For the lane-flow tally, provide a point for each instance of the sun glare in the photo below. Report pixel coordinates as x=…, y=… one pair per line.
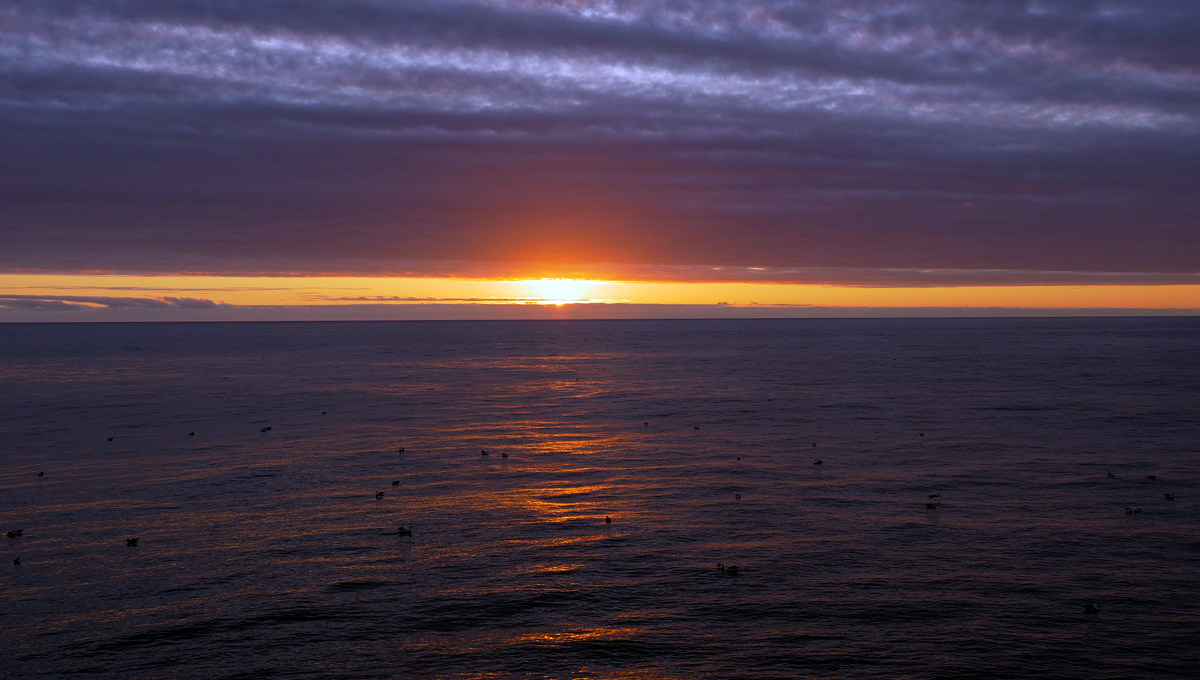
x=561, y=291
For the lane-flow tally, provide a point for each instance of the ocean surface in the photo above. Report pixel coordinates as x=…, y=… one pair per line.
x=265, y=553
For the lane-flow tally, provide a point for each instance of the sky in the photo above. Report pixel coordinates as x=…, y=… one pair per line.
x=190, y=159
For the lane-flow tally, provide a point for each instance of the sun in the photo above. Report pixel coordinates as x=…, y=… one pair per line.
x=561, y=291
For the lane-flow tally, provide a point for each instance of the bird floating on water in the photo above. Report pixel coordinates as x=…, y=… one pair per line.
x=378, y=495
x=731, y=570
x=737, y=496
x=1151, y=476
x=818, y=462
x=1091, y=608
x=503, y=455
x=935, y=495
x=1169, y=496
x=396, y=482
x=110, y=439
x=483, y=453
x=17, y=561
x=41, y=474
x=131, y=542
x=16, y=533
x=607, y=519
x=1111, y=475
x=404, y=532
x=1130, y=511
x=401, y=449
x=697, y=427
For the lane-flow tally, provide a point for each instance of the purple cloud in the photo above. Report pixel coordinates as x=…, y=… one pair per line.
x=864, y=139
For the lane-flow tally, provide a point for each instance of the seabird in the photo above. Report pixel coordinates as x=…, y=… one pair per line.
x=920, y=434
x=818, y=462
x=1151, y=476
x=131, y=542
x=697, y=427
x=110, y=439
x=12, y=534
x=931, y=506
x=1169, y=496
x=404, y=532
x=378, y=495
x=731, y=570
x=607, y=519
x=396, y=482
x=17, y=561
x=401, y=449
x=41, y=474
x=322, y=412
x=739, y=457
x=935, y=495
x=1091, y=608
x=503, y=455
x=737, y=496
x=264, y=429
x=483, y=453
x=646, y=424
x=1111, y=475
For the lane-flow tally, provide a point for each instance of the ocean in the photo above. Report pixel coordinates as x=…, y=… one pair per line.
x=247, y=459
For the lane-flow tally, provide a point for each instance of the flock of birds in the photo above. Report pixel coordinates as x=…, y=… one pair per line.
x=731, y=570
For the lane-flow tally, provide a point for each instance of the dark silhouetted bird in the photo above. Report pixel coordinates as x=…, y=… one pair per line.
x=131, y=542
x=607, y=519
x=404, y=532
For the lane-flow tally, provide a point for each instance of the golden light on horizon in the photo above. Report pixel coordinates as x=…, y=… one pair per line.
x=312, y=292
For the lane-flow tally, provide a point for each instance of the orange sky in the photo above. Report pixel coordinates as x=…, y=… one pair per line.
x=350, y=290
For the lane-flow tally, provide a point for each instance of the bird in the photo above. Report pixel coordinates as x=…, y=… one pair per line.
x=1151, y=476
x=404, y=532
x=483, y=453
x=814, y=443
x=322, y=412
x=503, y=455
x=396, y=482
x=17, y=561
x=131, y=542
x=1111, y=475
x=41, y=474
x=607, y=519
x=739, y=457
x=731, y=570
x=1091, y=608
x=378, y=495
x=264, y=429
x=697, y=427
x=920, y=434
x=110, y=439
x=13, y=534
x=646, y=424
x=931, y=506
x=935, y=495
x=818, y=462
x=1169, y=496
x=737, y=496
x=401, y=449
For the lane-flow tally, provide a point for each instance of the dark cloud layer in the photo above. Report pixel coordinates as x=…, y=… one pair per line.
x=817, y=140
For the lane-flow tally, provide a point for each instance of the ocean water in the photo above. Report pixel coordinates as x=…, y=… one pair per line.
x=267, y=554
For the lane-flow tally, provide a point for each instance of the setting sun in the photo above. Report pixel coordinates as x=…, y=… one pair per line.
x=562, y=291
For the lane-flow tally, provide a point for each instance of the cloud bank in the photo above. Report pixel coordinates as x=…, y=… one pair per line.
x=813, y=140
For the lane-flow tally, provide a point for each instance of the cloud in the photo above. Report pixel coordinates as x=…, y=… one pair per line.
x=59, y=303
x=347, y=136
